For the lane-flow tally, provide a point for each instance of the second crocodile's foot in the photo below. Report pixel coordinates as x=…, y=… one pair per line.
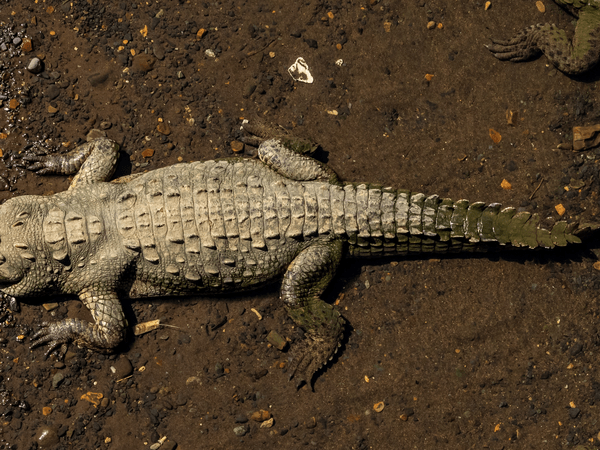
x=521, y=47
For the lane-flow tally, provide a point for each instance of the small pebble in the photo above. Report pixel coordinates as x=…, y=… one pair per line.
x=311, y=43
x=27, y=45
x=169, y=445
x=57, y=379
x=158, y=51
x=260, y=416
x=574, y=412
x=17, y=40
x=35, y=66
x=430, y=25
x=46, y=437
x=123, y=368
x=97, y=79
x=148, y=153
x=143, y=63
x=540, y=6
x=52, y=109
x=240, y=431
x=163, y=128
x=191, y=380
x=267, y=423
x=237, y=146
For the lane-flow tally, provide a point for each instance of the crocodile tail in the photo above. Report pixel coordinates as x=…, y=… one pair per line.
x=383, y=221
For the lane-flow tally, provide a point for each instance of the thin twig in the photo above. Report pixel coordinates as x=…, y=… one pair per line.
x=536, y=189
x=261, y=49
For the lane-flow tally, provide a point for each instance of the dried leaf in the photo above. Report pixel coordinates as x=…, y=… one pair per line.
x=540, y=6
x=496, y=137
x=93, y=397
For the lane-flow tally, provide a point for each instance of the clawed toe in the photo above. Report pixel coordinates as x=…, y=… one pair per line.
x=46, y=336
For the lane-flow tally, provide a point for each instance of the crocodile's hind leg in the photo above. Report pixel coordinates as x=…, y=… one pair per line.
x=305, y=280
x=104, y=335
x=258, y=132
x=93, y=161
x=288, y=155
x=569, y=57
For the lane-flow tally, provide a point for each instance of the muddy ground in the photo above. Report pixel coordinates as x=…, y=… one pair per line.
x=498, y=352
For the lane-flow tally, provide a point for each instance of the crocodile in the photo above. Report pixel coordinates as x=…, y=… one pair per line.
x=571, y=57
x=226, y=226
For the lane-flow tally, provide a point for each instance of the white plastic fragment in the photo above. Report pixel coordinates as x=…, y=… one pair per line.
x=299, y=71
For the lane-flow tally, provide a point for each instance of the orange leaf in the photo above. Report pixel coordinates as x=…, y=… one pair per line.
x=496, y=137
x=93, y=397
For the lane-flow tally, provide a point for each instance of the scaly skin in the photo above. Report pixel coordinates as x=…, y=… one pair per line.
x=569, y=57
x=228, y=226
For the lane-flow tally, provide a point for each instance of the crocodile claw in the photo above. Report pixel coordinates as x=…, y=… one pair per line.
x=39, y=164
x=51, y=335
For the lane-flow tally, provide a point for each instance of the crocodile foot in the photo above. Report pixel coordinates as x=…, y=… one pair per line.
x=54, y=336
x=257, y=131
x=310, y=355
x=521, y=47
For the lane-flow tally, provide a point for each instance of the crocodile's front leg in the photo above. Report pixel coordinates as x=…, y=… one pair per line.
x=569, y=57
x=104, y=335
x=305, y=280
x=93, y=161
